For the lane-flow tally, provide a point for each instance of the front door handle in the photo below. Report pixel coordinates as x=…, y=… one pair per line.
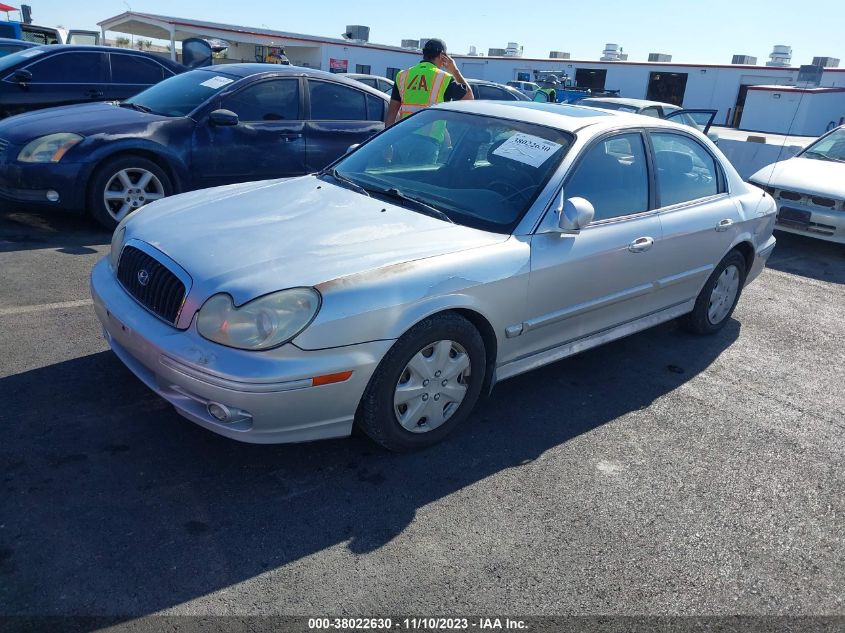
x=287, y=138
x=94, y=94
x=641, y=244
x=724, y=225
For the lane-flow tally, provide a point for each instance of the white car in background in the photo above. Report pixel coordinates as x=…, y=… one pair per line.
x=528, y=88
x=810, y=189
x=699, y=119
x=373, y=81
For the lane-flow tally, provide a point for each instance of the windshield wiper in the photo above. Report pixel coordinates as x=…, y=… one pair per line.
x=393, y=192
x=354, y=185
x=135, y=106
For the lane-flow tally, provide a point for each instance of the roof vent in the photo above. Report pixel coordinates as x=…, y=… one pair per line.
x=612, y=53
x=745, y=60
x=781, y=55
x=357, y=32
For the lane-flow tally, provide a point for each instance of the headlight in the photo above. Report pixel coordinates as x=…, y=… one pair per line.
x=263, y=323
x=48, y=149
x=116, y=245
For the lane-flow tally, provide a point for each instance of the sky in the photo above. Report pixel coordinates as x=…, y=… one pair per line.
x=702, y=32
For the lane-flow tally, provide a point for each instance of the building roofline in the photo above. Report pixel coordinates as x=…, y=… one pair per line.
x=818, y=90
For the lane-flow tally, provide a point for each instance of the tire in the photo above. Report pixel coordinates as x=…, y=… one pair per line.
x=121, y=178
x=716, y=301
x=433, y=408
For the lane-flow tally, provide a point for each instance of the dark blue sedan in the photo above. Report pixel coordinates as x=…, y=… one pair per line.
x=206, y=127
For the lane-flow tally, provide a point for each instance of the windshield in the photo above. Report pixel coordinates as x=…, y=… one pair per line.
x=182, y=94
x=479, y=171
x=830, y=147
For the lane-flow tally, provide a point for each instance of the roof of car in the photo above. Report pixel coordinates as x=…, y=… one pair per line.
x=562, y=116
x=21, y=43
x=634, y=103
x=64, y=48
x=249, y=69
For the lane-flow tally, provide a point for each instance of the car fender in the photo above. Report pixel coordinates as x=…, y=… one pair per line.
x=171, y=161
x=383, y=304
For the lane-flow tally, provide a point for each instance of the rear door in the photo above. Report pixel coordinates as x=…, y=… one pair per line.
x=267, y=142
x=701, y=120
x=339, y=116
x=59, y=79
x=130, y=74
x=698, y=218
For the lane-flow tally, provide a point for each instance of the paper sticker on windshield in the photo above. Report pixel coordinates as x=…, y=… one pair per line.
x=30, y=52
x=217, y=82
x=528, y=149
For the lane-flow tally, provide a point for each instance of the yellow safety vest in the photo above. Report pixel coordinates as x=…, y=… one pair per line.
x=422, y=86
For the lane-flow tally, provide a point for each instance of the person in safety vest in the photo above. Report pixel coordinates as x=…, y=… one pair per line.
x=426, y=84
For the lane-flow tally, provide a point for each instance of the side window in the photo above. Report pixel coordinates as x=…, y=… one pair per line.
x=651, y=111
x=274, y=100
x=129, y=69
x=76, y=68
x=613, y=176
x=685, y=170
x=491, y=92
x=368, y=81
x=333, y=102
x=375, y=108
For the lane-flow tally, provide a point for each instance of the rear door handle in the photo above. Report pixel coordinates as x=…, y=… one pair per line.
x=641, y=244
x=724, y=225
x=287, y=138
x=94, y=94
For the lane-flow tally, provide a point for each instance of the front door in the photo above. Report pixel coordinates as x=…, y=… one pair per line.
x=268, y=141
x=340, y=116
x=700, y=120
x=604, y=276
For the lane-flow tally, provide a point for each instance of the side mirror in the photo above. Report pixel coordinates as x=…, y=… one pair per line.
x=574, y=215
x=352, y=148
x=22, y=76
x=223, y=118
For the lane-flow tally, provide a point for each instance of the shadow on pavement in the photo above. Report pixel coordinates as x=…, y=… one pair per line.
x=70, y=233
x=808, y=257
x=112, y=504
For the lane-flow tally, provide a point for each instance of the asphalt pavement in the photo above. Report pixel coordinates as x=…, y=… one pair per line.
x=661, y=474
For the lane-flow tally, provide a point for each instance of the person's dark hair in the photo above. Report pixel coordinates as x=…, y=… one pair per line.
x=433, y=48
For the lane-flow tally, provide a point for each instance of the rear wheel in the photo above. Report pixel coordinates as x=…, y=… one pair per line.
x=123, y=185
x=718, y=298
x=426, y=385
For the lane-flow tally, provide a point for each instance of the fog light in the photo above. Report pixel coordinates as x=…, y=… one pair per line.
x=219, y=412
x=53, y=196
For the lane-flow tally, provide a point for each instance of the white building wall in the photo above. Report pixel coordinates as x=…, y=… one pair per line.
x=378, y=60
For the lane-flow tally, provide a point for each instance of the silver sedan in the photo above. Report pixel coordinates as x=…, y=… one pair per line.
x=469, y=243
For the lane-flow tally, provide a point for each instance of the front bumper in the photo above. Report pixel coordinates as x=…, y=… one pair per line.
x=27, y=184
x=270, y=393
x=802, y=219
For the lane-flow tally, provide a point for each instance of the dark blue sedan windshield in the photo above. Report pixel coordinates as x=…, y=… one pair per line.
x=182, y=94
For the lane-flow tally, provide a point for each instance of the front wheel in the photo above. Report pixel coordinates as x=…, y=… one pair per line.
x=123, y=185
x=718, y=298
x=426, y=385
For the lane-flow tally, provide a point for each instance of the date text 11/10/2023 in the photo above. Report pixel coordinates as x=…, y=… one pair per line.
x=416, y=624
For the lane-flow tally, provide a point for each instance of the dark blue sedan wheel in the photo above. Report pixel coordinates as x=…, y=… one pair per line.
x=123, y=185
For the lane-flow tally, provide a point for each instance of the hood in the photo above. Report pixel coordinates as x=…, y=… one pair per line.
x=85, y=119
x=255, y=238
x=805, y=175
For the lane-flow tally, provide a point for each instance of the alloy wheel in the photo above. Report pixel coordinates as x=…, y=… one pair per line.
x=129, y=190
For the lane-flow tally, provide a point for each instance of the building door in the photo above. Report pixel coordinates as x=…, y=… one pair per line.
x=740, y=104
x=667, y=87
x=591, y=78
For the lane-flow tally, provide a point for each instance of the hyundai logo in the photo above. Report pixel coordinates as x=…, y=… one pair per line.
x=143, y=277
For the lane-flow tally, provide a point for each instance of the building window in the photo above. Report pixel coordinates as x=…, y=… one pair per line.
x=391, y=73
x=362, y=69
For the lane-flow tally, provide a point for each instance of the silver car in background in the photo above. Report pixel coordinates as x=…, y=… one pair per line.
x=810, y=189
x=470, y=243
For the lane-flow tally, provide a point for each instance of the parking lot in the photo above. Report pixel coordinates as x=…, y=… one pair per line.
x=661, y=474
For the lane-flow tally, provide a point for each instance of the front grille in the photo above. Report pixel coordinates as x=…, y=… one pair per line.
x=823, y=202
x=3, y=145
x=163, y=292
x=790, y=195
